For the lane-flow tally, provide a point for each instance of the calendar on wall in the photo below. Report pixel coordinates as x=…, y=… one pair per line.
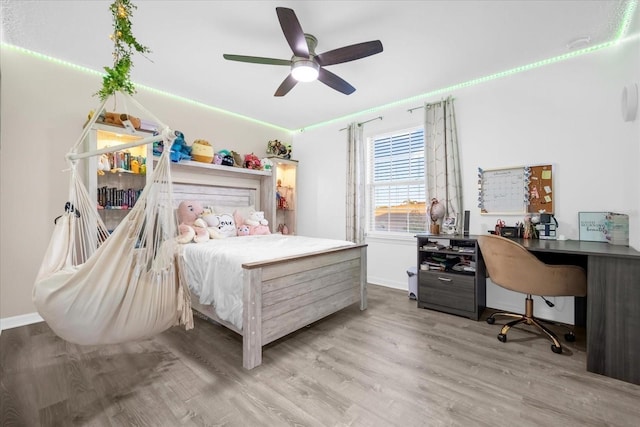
x=515, y=190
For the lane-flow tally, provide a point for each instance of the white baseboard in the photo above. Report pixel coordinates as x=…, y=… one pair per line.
x=387, y=283
x=22, y=320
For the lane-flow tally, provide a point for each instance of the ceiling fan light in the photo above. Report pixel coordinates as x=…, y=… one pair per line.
x=305, y=70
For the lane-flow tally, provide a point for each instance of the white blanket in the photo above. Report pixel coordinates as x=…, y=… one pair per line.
x=214, y=268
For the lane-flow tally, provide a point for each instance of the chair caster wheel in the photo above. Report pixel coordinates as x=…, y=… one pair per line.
x=491, y=320
x=569, y=337
x=556, y=350
x=502, y=337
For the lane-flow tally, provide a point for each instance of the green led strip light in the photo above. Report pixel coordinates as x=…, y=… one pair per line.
x=627, y=17
x=619, y=38
x=147, y=88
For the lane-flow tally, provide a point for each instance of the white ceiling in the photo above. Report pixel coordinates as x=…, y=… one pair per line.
x=428, y=45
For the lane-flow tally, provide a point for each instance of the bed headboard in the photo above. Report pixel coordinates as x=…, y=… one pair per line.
x=214, y=195
x=218, y=186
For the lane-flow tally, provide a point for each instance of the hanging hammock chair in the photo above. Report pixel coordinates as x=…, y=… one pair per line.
x=99, y=288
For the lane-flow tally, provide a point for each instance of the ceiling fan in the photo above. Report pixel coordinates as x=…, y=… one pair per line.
x=305, y=64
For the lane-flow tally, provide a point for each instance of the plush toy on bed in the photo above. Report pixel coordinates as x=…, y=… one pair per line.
x=192, y=228
x=220, y=226
x=258, y=225
x=243, y=230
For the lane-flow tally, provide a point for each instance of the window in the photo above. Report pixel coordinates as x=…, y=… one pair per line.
x=396, y=183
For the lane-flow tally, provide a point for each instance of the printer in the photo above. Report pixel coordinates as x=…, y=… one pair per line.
x=547, y=227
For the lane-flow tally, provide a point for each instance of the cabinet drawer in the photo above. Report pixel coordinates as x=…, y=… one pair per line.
x=448, y=290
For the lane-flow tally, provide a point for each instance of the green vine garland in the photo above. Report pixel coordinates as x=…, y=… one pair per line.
x=118, y=77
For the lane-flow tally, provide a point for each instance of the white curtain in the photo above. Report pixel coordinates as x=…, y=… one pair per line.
x=355, y=184
x=444, y=181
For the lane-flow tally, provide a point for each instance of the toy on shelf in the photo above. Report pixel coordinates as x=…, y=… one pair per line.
x=224, y=157
x=103, y=164
x=251, y=161
x=237, y=159
x=267, y=164
x=202, y=151
x=179, y=149
x=278, y=149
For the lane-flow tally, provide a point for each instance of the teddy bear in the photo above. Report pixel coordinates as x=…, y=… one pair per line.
x=191, y=227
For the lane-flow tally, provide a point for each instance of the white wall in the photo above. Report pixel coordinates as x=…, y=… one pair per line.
x=44, y=105
x=567, y=114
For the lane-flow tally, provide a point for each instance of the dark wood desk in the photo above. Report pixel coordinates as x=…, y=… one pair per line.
x=613, y=302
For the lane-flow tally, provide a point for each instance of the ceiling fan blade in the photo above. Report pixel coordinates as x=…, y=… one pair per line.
x=286, y=86
x=257, y=59
x=335, y=82
x=349, y=53
x=293, y=31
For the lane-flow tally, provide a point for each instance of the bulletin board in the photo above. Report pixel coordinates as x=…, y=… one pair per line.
x=516, y=190
x=541, y=189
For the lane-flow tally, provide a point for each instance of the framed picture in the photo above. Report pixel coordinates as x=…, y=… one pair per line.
x=592, y=226
x=449, y=225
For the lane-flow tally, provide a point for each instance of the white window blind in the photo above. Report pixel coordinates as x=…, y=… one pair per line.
x=396, y=183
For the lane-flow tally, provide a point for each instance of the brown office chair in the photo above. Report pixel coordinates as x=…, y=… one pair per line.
x=513, y=267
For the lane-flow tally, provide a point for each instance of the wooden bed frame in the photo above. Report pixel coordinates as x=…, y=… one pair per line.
x=281, y=295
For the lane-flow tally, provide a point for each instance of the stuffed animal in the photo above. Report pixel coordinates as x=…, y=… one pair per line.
x=243, y=230
x=220, y=226
x=267, y=163
x=256, y=218
x=226, y=159
x=103, y=164
x=217, y=159
x=256, y=222
x=251, y=161
x=179, y=149
x=237, y=160
x=120, y=119
x=202, y=151
x=192, y=228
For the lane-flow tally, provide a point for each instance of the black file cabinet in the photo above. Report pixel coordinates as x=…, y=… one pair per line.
x=451, y=275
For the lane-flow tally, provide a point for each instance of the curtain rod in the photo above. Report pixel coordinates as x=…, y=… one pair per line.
x=410, y=110
x=361, y=123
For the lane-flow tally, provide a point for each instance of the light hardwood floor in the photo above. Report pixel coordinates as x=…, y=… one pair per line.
x=391, y=365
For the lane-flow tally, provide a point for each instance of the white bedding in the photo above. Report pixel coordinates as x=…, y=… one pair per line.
x=214, y=268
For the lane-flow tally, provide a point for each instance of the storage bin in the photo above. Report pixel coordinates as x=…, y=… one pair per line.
x=412, y=272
